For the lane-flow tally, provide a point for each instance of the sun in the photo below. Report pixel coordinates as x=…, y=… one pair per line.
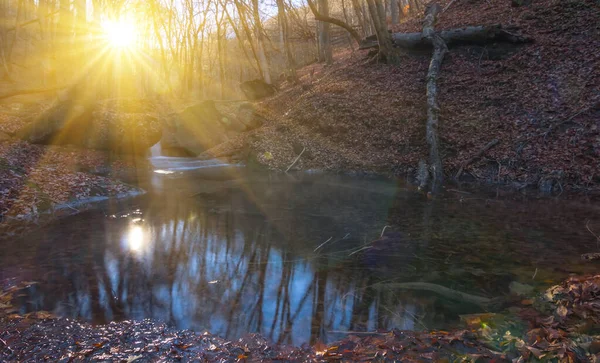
x=119, y=34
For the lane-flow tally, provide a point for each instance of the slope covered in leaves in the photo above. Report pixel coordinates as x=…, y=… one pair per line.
x=34, y=179
x=540, y=100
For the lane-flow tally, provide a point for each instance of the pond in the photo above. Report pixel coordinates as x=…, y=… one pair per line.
x=291, y=256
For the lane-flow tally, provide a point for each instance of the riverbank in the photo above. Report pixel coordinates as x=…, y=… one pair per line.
x=559, y=325
x=538, y=104
x=39, y=182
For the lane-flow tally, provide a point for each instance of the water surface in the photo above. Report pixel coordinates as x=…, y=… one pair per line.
x=290, y=256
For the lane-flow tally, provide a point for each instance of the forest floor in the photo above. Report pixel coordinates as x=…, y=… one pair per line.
x=558, y=326
x=541, y=101
x=40, y=182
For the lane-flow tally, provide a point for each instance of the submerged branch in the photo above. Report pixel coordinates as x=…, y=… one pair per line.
x=442, y=290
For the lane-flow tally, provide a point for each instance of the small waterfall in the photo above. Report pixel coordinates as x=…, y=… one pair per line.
x=156, y=150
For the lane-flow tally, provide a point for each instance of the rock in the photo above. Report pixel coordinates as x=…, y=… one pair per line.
x=198, y=128
x=99, y=125
x=519, y=289
x=257, y=89
x=247, y=115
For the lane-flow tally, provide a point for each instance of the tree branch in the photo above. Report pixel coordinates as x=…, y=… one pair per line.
x=328, y=19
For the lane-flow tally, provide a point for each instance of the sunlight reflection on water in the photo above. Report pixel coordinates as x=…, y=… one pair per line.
x=136, y=239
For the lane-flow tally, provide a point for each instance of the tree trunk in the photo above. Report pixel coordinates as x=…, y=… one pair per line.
x=347, y=20
x=327, y=19
x=289, y=57
x=471, y=35
x=359, y=15
x=395, y=12
x=221, y=53
x=386, y=48
x=433, y=108
x=262, y=57
x=325, y=54
x=246, y=28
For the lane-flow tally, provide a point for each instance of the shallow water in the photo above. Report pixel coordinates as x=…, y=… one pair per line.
x=289, y=256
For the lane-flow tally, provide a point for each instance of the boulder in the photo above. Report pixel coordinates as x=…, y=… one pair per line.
x=246, y=114
x=99, y=125
x=195, y=129
x=257, y=89
x=203, y=126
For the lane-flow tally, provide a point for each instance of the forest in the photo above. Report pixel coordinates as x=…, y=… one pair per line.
x=300, y=180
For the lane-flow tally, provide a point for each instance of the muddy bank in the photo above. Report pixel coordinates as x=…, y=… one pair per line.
x=560, y=325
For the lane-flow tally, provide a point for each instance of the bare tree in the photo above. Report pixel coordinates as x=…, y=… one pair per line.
x=387, y=52
x=262, y=57
x=395, y=12
x=289, y=56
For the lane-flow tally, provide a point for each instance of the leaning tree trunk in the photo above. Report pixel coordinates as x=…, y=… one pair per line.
x=433, y=109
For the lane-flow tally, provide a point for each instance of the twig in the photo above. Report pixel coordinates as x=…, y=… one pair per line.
x=587, y=225
x=383, y=231
x=295, y=160
x=6, y=345
x=364, y=248
x=458, y=191
x=488, y=146
x=555, y=126
x=534, y=274
x=355, y=332
x=322, y=244
x=447, y=6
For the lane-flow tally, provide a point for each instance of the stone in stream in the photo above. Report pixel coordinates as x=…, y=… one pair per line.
x=519, y=289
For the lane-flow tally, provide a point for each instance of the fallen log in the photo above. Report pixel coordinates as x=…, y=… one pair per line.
x=471, y=35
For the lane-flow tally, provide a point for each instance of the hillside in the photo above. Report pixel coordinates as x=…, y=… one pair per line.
x=541, y=101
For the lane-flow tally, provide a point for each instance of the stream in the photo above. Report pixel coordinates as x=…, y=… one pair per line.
x=219, y=248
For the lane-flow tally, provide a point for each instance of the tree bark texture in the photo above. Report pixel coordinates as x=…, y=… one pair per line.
x=433, y=108
x=472, y=35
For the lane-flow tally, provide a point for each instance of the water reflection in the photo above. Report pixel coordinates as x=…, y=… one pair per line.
x=250, y=257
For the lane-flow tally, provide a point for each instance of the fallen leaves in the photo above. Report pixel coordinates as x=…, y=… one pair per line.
x=34, y=179
x=365, y=117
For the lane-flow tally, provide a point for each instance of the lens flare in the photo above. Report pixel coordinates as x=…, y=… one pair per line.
x=119, y=34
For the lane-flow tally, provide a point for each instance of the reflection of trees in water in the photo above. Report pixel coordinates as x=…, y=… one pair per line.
x=245, y=262
x=222, y=272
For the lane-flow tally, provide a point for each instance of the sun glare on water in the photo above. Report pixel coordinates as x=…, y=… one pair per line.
x=119, y=34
